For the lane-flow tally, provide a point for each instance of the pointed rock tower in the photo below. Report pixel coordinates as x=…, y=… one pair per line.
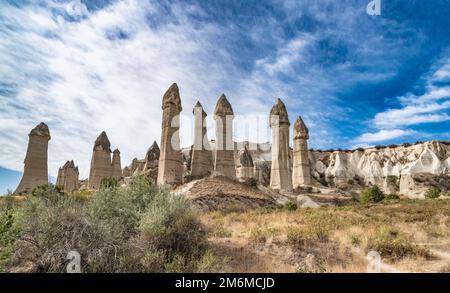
x=245, y=168
x=152, y=157
x=35, y=171
x=116, y=168
x=224, y=151
x=280, y=173
x=201, y=158
x=68, y=177
x=170, y=166
x=301, y=174
x=101, y=161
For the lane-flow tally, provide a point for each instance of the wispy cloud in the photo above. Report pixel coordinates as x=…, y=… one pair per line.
x=383, y=136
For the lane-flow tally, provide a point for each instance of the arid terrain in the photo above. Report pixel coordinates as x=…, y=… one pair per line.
x=411, y=236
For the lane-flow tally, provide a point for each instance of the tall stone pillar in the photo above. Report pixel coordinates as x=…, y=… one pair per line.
x=68, y=177
x=100, y=162
x=245, y=168
x=116, y=168
x=35, y=171
x=301, y=174
x=280, y=173
x=201, y=158
x=224, y=151
x=170, y=166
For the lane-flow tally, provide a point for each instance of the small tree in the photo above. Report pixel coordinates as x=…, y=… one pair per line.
x=433, y=192
x=372, y=194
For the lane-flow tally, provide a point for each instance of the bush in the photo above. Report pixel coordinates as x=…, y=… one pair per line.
x=393, y=245
x=433, y=192
x=371, y=195
x=48, y=191
x=290, y=206
x=252, y=182
x=392, y=196
x=171, y=225
x=108, y=182
x=139, y=228
x=9, y=233
x=257, y=235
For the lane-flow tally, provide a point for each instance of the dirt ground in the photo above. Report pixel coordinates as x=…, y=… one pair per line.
x=334, y=238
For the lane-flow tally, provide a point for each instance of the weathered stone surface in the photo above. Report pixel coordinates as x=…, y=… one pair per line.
x=116, y=168
x=170, y=167
x=245, y=167
x=68, y=177
x=224, y=151
x=280, y=174
x=201, y=158
x=301, y=173
x=101, y=161
x=35, y=169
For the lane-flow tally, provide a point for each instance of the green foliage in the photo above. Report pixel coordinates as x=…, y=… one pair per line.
x=393, y=245
x=290, y=206
x=252, y=182
x=108, y=183
x=372, y=194
x=47, y=190
x=139, y=228
x=392, y=196
x=433, y=192
x=9, y=232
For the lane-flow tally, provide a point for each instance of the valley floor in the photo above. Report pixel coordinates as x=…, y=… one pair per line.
x=410, y=235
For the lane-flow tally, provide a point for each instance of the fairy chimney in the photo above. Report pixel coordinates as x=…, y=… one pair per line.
x=280, y=174
x=301, y=174
x=101, y=161
x=116, y=166
x=201, y=158
x=224, y=151
x=170, y=166
x=35, y=164
x=68, y=177
x=245, y=167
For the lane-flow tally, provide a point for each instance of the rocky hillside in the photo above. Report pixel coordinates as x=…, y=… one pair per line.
x=406, y=169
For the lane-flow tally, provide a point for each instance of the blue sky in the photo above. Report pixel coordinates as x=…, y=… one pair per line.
x=87, y=66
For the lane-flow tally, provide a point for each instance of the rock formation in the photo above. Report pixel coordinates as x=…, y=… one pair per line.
x=245, y=167
x=116, y=168
x=392, y=168
x=201, y=157
x=35, y=170
x=68, y=177
x=280, y=174
x=101, y=161
x=170, y=167
x=301, y=173
x=151, y=161
x=224, y=150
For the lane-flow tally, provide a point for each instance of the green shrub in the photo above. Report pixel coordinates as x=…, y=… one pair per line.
x=257, y=235
x=9, y=232
x=392, y=196
x=433, y=192
x=47, y=190
x=252, y=182
x=108, y=182
x=171, y=224
x=140, y=228
x=290, y=206
x=393, y=245
x=372, y=194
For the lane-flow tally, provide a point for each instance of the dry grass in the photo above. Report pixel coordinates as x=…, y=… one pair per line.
x=338, y=237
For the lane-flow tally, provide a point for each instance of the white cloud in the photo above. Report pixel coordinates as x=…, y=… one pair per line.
x=383, y=135
x=71, y=76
